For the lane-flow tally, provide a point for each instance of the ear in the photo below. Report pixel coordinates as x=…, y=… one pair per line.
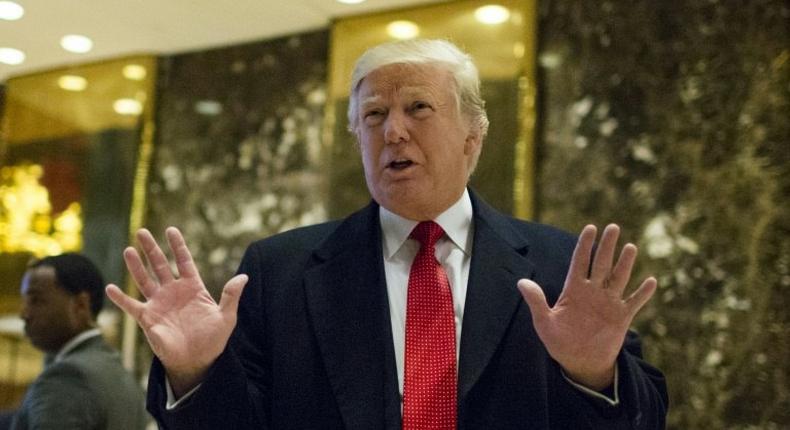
x=473, y=141
x=82, y=306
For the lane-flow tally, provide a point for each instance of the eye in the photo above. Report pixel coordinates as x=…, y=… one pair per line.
x=421, y=109
x=420, y=105
x=373, y=116
x=374, y=112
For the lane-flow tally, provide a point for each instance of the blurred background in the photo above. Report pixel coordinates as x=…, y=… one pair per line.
x=228, y=121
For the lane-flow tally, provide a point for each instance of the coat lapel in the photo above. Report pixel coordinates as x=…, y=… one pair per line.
x=346, y=299
x=498, y=261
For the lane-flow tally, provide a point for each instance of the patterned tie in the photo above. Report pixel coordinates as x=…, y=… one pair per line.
x=429, y=391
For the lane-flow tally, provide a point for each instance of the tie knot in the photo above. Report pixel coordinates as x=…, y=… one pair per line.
x=427, y=233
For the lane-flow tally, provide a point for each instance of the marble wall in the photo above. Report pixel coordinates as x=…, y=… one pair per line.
x=671, y=118
x=238, y=149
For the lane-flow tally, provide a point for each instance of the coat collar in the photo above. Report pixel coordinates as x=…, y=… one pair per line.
x=498, y=261
x=347, y=301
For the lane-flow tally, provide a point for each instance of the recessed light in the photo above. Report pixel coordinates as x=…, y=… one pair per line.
x=134, y=72
x=11, y=11
x=76, y=43
x=72, y=82
x=11, y=56
x=403, y=29
x=128, y=107
x=492, y=14
x=351, y=1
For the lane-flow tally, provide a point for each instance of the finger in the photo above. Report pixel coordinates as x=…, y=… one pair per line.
x=156, y=258
x=621, y=273
x=231, y=294
x=642, y=295
x=580, y=262
x=184, y=263
x=136, y=267
x=129, y=305
x=604, y=254
x=536, y=300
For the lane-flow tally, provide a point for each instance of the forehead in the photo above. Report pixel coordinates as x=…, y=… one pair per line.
x=39, y=280
x=406, y=79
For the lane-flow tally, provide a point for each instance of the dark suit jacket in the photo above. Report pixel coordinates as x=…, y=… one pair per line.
x=313, y=345
x=86, y=390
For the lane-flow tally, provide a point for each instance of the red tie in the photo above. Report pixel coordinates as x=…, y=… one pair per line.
x=429, y=390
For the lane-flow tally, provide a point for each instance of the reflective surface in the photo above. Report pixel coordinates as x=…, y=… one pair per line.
x=74, y=153
x=671, y=118
x=504, y=54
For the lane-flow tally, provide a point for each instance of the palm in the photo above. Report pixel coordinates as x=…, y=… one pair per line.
x=181, y=324
x=585, y=329
x=184, y=326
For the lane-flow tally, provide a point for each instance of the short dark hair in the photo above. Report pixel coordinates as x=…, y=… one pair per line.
x=75, y=273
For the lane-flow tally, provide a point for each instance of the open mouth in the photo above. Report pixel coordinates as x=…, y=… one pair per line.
x=400, y=164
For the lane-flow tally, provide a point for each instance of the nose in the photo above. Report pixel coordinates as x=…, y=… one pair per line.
x=395, y=128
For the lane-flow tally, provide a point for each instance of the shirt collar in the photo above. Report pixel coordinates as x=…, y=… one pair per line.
x=76, y=341
x=456, y=222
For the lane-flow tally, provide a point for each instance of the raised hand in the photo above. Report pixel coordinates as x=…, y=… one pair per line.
x=185, y=327
x=585, y=329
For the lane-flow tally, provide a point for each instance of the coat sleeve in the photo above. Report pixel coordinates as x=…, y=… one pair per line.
x=235, y=393
x=642, y=392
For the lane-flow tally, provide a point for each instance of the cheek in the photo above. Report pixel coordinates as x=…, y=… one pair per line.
x=369, y=152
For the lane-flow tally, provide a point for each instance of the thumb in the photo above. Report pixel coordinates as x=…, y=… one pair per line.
x=127, y=304
x=231, y=293
x=533, y=295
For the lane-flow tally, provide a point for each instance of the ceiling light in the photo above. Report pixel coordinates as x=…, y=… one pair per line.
x=10, y=11
x=350, y=1
x=72, y=82
x=76, y=43
x=134, y=72
x=492, y=14
x=11, y=56
x=403, y=29
x=128, y=107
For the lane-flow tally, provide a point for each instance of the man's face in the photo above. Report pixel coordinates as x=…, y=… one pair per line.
x=49, y=311
x=416, y=145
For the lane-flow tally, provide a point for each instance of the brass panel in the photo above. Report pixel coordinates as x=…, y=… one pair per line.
x=74, y=168
x=505, y=56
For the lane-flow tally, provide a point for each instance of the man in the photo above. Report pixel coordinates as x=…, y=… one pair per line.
x=83, y=385
x=426, y=309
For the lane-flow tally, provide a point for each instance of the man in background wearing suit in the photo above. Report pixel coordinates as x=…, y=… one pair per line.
x=83, y=385
x=427, y=309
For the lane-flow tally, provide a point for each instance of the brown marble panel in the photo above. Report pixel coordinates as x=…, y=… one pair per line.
x=671, y=119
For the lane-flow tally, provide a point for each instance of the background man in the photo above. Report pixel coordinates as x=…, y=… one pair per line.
x=425, y=310
x=83, y=385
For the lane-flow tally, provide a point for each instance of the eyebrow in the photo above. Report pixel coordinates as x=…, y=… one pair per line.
x=369, y=101
x=413, y=92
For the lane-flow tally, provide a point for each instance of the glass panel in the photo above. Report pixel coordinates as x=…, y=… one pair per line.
x=73, y=158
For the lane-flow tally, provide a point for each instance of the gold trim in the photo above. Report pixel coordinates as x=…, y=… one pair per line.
x=129, y=334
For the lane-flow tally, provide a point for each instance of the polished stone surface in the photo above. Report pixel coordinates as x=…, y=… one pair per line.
x=671, y=118
x=238, y=147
